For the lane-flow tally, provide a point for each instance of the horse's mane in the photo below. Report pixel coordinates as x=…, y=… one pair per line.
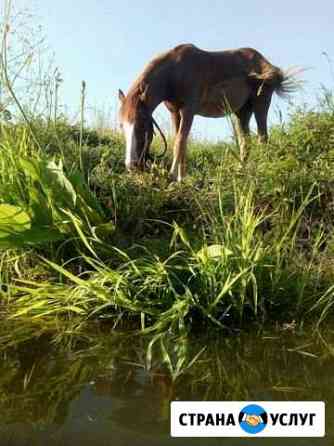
x=150, y=72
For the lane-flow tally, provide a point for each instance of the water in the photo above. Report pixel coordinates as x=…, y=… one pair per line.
x=96, y=389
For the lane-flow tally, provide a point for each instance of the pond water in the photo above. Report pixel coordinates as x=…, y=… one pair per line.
x=106, y=388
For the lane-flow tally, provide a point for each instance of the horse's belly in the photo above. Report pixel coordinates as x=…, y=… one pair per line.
x=212, y=110
x=224, y=98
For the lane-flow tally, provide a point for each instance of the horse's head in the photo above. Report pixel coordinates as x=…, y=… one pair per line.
x=137, y=124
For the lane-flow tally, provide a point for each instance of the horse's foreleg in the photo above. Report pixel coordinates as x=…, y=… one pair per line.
x=178, y=168
x=176, y=119
x=243, y=117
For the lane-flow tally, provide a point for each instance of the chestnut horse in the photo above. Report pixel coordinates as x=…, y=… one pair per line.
x=192, y=82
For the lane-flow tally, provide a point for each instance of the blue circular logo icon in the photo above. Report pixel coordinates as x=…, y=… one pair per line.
x=253, y=419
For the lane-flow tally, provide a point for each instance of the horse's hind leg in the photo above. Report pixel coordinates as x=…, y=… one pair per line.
x=178, y=168
x=261, y=108
x=243, y=117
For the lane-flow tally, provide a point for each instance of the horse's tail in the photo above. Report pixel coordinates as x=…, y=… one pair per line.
x=284, y=82
x=288, y=81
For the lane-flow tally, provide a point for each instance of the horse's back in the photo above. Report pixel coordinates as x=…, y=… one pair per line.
x=237, y=60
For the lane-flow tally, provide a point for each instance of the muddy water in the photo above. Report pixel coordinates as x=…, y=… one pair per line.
x=112, y=389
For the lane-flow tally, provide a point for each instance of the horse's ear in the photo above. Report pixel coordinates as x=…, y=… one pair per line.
x=121, y=95
x=143, y=92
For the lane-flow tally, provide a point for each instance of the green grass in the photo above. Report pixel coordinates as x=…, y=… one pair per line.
x=229, y=247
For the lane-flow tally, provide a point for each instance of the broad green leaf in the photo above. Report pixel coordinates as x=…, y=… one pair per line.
x=57, y=181
x=31, y=169
x=13, y=220
x=30, y=237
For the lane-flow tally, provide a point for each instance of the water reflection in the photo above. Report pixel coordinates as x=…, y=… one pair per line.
x=109, y=388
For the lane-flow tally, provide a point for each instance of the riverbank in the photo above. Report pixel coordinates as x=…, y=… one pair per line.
x=233, y=245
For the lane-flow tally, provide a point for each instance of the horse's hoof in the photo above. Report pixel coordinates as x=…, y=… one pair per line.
x=176, y=178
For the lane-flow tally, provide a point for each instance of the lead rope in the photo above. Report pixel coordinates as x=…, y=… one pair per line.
x=145, y=155
x=159, y=157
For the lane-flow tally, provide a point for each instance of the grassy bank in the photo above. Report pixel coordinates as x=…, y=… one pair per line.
x=232, y=245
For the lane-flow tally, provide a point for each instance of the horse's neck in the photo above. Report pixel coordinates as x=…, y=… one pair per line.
x=155, y=95
x=156, y=82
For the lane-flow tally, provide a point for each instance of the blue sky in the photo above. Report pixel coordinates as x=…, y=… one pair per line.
x=107, y=43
